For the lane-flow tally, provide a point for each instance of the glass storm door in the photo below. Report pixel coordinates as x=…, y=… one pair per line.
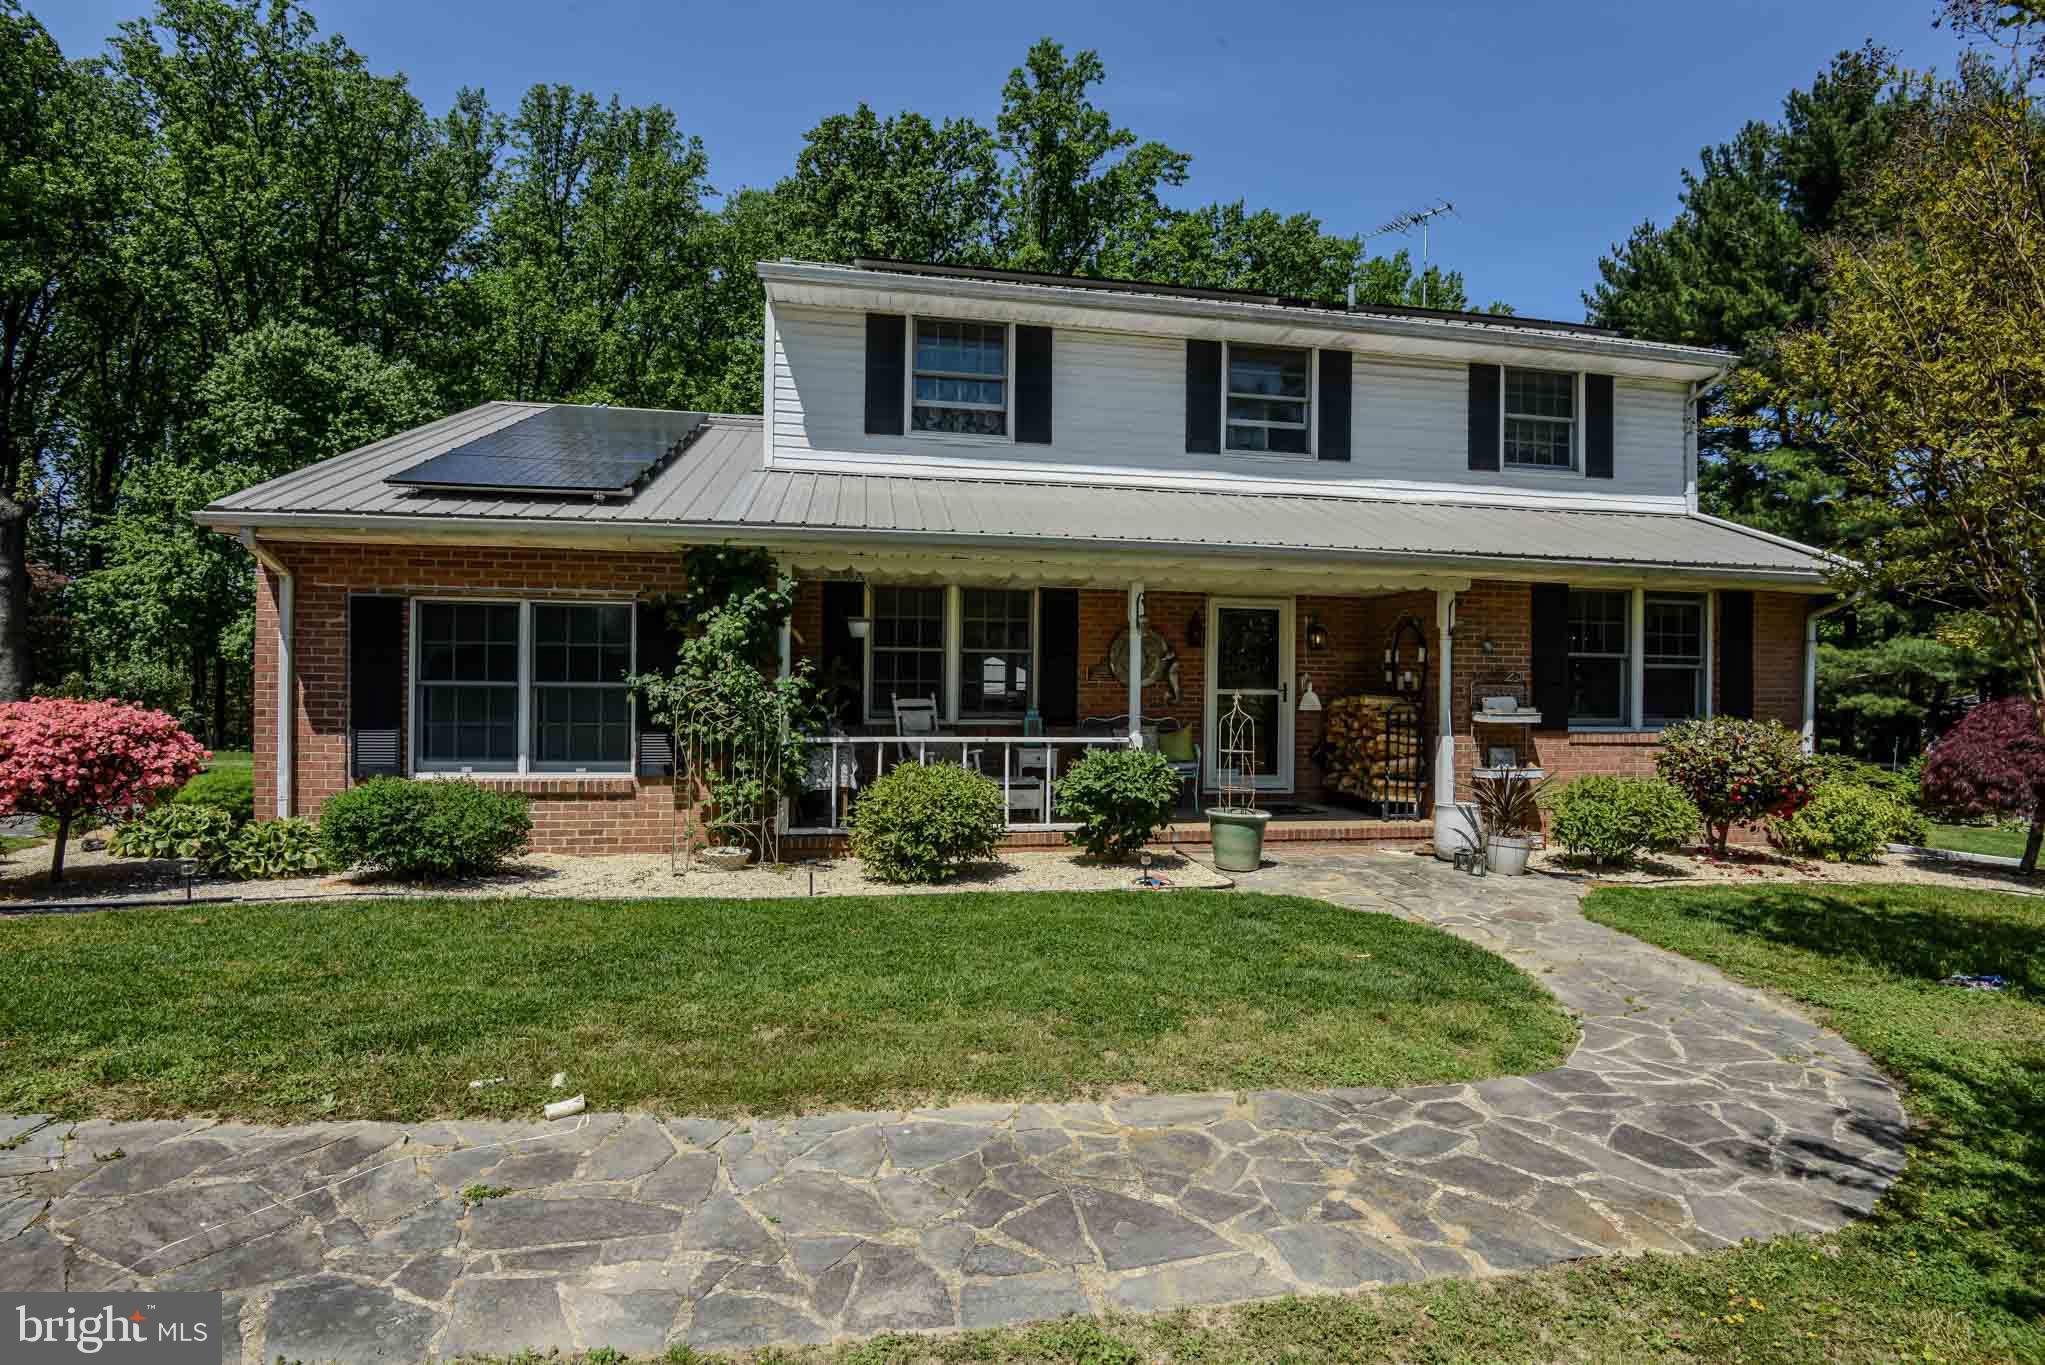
x=1251, y=658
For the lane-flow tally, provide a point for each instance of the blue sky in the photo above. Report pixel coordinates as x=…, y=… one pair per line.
x=1553, y=127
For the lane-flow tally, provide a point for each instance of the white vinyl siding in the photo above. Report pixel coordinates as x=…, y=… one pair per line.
x=1119, y=401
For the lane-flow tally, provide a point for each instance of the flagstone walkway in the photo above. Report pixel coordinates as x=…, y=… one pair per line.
x=1694, y=1113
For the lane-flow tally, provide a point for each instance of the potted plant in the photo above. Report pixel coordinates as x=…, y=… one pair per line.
x=1510, y=807
x=1235, y=824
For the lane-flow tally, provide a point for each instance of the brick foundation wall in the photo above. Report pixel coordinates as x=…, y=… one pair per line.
x=570, y=814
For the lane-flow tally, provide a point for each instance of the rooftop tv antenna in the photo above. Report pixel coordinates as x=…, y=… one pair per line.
x=1403, y=223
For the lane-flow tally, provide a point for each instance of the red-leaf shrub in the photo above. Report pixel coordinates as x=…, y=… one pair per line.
x=65, y=759
x=1991, y=763
x=1736, y=771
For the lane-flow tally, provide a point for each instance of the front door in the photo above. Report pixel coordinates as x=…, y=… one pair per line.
x=1250, y=658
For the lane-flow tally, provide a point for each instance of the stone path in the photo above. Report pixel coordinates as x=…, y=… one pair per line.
x=1694, y=1113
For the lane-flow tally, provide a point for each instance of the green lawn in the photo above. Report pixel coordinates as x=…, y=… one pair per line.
x=2003, y=843
x=1951, y=1268
x=389, y=1009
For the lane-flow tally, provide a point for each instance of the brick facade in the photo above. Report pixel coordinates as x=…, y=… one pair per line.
x=570, y=815
x=629, y=814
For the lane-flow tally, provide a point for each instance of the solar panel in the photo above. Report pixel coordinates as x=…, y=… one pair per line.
x=587, y=450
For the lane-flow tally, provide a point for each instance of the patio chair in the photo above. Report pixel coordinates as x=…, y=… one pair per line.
x=917, y=716
x=1029, y=782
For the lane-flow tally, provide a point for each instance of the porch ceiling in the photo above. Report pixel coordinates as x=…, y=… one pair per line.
x=982, y=567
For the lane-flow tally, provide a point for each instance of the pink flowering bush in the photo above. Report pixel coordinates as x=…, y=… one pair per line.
x=65, y=759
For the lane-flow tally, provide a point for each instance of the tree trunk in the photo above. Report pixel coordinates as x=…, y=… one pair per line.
x=219, y=701
x=2029, y=866
x=13, y=599
x=57, y=853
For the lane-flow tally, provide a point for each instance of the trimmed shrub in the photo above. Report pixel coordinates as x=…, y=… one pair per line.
x=1900, y=784
x=1119, y=797
x=276, y=848
x=1615, y=819
x=1736, y=771
x=920, y=822
x=230, y=789
x=1846, y=822
x=205, y=833
x=413, y=828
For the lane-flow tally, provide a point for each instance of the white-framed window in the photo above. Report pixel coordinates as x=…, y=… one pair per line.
x=1540, y=419
x=958, y=377
x=996, y=652
x=1267, y=399
x=1675, y=682
x=906, y=647
x=513, y=686
x=1600, y=657
x=1638, y=658
x=971, y=650
x=581, y=707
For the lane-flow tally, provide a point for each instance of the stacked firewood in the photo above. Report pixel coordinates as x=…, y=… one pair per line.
x=1371, y=747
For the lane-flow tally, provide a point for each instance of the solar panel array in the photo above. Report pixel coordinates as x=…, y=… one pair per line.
x=594, y=451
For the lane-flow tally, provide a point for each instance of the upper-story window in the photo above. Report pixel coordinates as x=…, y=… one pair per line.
x=1540, y=419
x=1269, y=394
x=960, y=378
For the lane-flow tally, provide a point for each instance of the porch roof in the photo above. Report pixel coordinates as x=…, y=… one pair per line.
x=720, y=489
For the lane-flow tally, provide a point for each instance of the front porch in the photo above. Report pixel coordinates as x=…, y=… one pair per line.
x=1017, y=666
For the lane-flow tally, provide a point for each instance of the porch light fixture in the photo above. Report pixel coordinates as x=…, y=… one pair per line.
x=1317, y=634
x=856, y=626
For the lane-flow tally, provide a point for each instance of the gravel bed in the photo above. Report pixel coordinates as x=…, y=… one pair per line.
x=93, y=875
x=1748, y=865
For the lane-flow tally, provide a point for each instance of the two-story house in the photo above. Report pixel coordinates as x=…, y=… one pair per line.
x=1028, y=514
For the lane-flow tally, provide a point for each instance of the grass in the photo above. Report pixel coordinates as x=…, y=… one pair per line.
x=14, y=843
x=390, y=1008
x=2002, y=843
x=1951, y=1268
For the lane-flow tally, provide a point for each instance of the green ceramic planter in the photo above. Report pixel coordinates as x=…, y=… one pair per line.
x=1238, y=838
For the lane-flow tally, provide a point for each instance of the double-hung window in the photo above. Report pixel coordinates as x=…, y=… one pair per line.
x=994, y=652
x=515, y=687
x=582, y=710
x=908, y=648
x=959, y=376
x=1540, y=419
x=1600, y=662
x=1270, y=392
x=468, y=686
x=1674, y=678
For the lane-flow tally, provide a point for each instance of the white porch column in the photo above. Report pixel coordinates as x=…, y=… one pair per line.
x=1136, y=665
x=1451, y=831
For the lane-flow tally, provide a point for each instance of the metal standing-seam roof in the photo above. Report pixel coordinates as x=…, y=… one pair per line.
x=718, y=486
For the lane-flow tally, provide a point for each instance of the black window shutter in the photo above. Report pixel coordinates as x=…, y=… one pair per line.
x=1033, y=385
x=886, y=348
x=1736, y=654
x=1203, y=397
x=1058, y=655
x=1484, y=401
x=658, y=646
x=376, y=685
x=1597, y=426
x=1334, y=397
x=1549, y=628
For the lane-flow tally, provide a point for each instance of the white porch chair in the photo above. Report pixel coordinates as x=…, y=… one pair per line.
x=916, y=717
